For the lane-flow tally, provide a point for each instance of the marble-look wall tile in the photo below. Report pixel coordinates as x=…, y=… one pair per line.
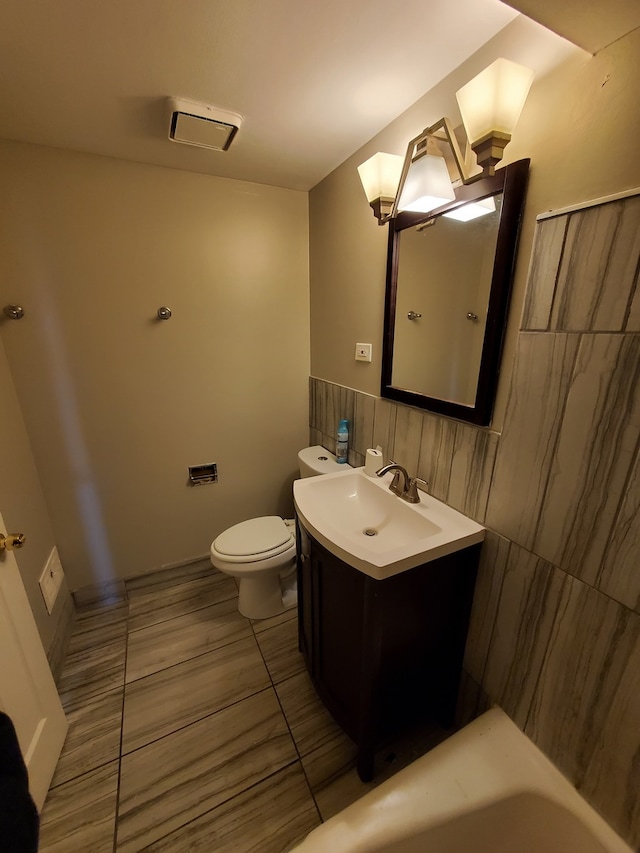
x=408, y=434
x=598, y=268
x=384, y=426
x=436, y=454
x=491, y=569
x=586, y=712
x=525, y=616
x=618, y=575
x=472, y=701
x=315, y=437
x=599, y=432
x=314, y=405
x=543, y=272
x=361, y=436
x=542, y=370
x=474, y=454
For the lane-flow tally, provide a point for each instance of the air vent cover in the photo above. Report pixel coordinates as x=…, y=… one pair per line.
x=201, y=125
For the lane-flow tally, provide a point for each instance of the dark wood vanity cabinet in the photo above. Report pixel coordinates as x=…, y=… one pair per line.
x=383, y=654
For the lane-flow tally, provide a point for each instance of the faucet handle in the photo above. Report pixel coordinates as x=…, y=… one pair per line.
x=411, y=495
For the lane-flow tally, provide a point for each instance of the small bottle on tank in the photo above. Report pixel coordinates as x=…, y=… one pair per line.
x=342, y=444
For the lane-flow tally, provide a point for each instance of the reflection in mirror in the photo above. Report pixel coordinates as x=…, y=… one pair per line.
x=448, y=285
x=444, y=275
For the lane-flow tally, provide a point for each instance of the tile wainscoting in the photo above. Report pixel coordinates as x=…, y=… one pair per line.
x=555, y=629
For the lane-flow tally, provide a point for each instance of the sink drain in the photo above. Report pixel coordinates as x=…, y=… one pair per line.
x=370, y=531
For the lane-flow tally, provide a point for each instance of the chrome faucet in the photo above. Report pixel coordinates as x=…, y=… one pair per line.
x=409, y=491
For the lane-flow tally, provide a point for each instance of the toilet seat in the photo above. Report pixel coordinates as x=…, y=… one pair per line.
x=254, y=540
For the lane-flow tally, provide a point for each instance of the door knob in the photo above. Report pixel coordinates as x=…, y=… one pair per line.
x=11, y=541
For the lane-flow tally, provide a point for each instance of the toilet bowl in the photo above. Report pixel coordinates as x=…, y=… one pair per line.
x=261, y=552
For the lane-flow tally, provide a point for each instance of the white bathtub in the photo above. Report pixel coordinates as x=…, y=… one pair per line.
x=487, y=789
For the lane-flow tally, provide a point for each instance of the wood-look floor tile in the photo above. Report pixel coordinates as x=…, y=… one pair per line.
x=90, y=672
x=80, y=815
x=175, y=697
x=98, y=627
x=167, y=578
x=260, y=625
x=340, y=789
x=182, y=776
x=311, y=724
x=93, y=738
x=158, y=646
x=96, y=596
x=271, y=817
x=155, y=605
x=279, y=647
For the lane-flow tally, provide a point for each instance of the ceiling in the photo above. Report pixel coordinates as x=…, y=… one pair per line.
x=314, y=81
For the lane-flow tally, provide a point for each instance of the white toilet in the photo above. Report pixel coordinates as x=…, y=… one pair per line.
x=261, y=552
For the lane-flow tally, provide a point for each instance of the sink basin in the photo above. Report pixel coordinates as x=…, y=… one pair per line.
x=359, y=520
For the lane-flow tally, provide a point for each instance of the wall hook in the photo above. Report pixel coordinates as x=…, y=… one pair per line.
x=164, y=313
x=14, y=312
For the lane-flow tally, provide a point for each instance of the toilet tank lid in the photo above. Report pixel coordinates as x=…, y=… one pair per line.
x=319, y=460
x=255, y=536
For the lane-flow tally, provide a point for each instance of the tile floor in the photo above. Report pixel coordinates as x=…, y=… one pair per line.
x=192, y=728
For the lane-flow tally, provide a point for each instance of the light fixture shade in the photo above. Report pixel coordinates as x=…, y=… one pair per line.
x=427, y=185
x=472, y=210
x=491, y=103
x=380, y=176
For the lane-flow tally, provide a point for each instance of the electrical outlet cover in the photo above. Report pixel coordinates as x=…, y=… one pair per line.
x=363, y=352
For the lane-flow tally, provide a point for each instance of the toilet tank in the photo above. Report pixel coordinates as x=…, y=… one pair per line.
x=316, y=460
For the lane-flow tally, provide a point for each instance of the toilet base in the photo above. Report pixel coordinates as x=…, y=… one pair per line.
x=261, y=597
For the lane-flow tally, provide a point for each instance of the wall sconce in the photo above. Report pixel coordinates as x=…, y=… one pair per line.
x=490, y=106
x=380, y=176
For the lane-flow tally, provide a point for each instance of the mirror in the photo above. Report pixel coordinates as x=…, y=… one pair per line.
x=448, y=288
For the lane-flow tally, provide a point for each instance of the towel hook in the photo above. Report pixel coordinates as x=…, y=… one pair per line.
x=14, y=312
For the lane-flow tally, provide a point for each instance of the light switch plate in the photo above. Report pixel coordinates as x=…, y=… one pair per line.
x=363, y=352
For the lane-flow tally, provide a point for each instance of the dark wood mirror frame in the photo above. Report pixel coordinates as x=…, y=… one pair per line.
x=511, y=181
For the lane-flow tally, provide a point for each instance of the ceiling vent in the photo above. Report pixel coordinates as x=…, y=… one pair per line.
x=201, y=125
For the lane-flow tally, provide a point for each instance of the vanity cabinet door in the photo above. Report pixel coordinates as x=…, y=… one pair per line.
x=383, y=654
x=337, y=617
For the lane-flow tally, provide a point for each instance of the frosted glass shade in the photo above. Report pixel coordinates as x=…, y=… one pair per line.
x=427, y=185
x=472, y=210
x=493, y=100
x=380, y=175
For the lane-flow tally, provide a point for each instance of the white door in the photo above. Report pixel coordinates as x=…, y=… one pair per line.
x=27, y=690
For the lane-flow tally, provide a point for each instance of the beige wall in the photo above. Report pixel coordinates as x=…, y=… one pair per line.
x=580, y=127
x=118, y=404
x=24, y=510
